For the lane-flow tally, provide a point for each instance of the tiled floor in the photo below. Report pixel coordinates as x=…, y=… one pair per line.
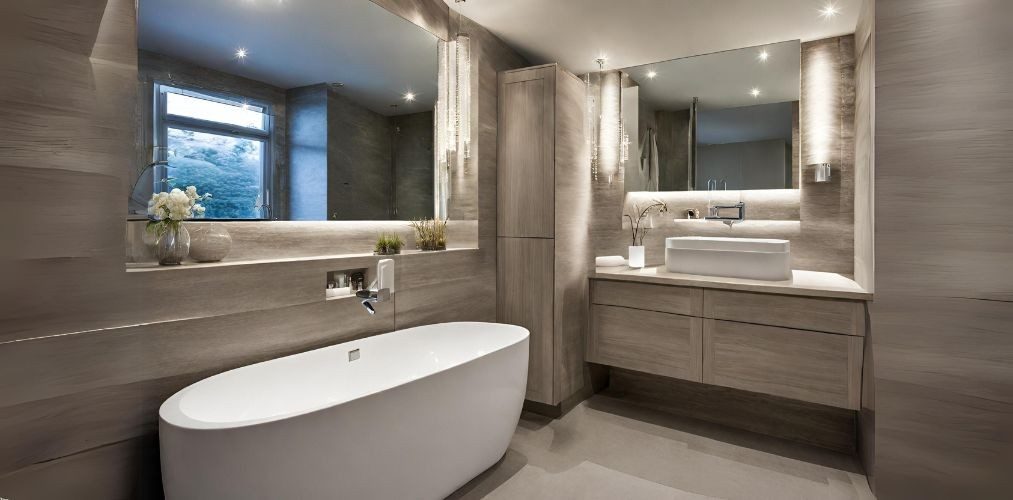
x=609, y=449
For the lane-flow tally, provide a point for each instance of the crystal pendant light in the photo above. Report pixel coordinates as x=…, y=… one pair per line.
x=593, y=93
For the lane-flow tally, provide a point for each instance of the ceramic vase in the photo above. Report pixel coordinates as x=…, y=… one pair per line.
x=209, y=242
x=636, y=259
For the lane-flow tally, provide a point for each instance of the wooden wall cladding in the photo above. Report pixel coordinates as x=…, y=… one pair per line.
x=941, y=321
x=88, y=351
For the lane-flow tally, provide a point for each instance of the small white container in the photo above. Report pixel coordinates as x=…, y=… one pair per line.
x=636, y=256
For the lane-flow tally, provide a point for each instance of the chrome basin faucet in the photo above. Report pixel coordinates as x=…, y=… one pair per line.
x=371, y=297
x=715, y=213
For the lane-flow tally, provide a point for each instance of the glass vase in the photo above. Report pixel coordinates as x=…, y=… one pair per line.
x=172, y=245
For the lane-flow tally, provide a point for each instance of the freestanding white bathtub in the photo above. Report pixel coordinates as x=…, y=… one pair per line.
x=420, y=413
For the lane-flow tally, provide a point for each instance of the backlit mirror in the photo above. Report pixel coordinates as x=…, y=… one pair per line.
x=727, y=120
x=286, y=110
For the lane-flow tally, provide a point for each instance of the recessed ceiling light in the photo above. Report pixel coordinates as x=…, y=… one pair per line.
x=755, y=92
x=409, y=97
x=651, y=74
x=763, y=56
x=830, y=10
x=241, y=53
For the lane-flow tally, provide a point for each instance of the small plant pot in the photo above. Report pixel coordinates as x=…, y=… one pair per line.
x=393, y=252
x=432, y=248
x=636, y=256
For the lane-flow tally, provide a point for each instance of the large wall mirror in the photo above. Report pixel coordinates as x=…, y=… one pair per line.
x=727, y=120
x=287, y=110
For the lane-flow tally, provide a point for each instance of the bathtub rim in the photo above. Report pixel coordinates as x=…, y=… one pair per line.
x=170, y=413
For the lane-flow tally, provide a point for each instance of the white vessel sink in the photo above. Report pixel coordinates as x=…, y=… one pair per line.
x=749, y=258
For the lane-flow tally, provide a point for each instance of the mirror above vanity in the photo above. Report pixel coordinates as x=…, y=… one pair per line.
x=721, y=121
x=310, y=110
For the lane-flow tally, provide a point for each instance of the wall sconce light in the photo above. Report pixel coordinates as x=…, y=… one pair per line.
x=453, y=111
x=823, y=172
x=607, y=137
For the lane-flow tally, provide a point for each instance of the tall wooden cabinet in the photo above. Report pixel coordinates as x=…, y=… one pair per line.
x=543, y=209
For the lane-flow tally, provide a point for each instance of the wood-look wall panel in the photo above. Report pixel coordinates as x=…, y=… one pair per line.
x=827, y=129
x=98, y=473
x=944, y=280
x=445, y=286
x=31, y=235
x=83, y=361
x=865, y=120
x=71, y=295
x=865, y=82
x=77, y=422
x=72, y=27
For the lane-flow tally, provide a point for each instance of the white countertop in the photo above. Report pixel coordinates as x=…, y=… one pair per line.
x=805, y=283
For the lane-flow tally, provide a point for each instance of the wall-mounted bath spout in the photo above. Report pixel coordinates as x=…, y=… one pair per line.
x=379, y=290
x=715, y=213
x=371, y=296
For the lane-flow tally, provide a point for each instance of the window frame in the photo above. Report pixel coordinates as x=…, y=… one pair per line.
x=163, y=121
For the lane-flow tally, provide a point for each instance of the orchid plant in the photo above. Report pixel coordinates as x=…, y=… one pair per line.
x=168, y=209
x=637, y=227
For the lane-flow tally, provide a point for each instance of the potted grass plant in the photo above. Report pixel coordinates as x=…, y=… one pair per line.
x=388, y=244
x=430, y=234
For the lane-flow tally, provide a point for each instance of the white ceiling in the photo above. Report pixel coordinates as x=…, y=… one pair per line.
x=377, y=55
x=723, y=79
x=634, y=32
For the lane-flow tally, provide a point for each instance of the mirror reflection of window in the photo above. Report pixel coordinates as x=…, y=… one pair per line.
x=218, y=144
x=288, y=110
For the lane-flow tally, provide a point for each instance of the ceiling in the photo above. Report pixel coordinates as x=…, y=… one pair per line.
x=377, y=55
x=635, y=32
x=723, y=79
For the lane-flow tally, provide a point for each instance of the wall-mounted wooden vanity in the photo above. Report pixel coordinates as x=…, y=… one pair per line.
x=801, y=340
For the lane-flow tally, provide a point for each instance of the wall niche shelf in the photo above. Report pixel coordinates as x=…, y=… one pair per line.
x=147, y=267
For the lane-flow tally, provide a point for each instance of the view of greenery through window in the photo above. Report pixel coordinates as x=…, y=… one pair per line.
x=229, y=168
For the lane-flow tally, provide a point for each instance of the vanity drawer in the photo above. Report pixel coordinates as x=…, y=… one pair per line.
x=807, y=313
x=661, y=298
x=817, y=367
x=646, y=341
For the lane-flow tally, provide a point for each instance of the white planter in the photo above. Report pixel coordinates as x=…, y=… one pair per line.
x=636, y=256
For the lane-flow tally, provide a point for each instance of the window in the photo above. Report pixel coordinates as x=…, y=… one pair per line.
x=221, y=144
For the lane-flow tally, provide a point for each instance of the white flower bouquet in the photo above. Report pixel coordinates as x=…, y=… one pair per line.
x=166, y=212
x=169, y=209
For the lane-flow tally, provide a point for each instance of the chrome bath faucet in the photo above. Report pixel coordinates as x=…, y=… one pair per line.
x=715, y=213
x=371, y=297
